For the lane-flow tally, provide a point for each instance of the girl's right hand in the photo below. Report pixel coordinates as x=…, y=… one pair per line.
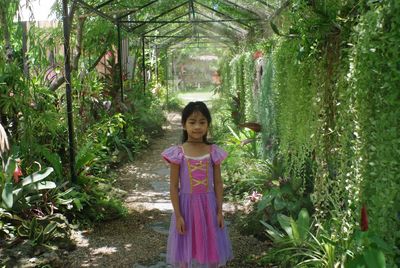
x=180, y=225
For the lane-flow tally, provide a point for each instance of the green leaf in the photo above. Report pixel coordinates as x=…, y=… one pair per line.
x=295, y=232
x=275, y=234
x=234, y=133
x=50, y=228
x=303, y=223
x=84, y=157
x=374, y=258
x=265, y=202
x=7, y=195
x=44, y=185
x=36, y=177
x=53, y=158
x=274, y=28
x=279, y=203
x=9, y=168
x=284, y=221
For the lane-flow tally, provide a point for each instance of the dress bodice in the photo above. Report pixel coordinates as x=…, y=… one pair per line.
x=196, y=174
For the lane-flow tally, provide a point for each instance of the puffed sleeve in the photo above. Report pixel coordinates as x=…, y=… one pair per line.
x=173, y=155
x=217, y=154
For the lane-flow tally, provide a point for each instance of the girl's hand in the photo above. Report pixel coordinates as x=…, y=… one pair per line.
x=220, y=218
x=180, y=225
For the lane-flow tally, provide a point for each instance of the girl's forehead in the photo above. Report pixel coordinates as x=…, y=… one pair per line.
x=197, y=116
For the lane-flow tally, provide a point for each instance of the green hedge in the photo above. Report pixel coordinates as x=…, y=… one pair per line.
x=330, y=97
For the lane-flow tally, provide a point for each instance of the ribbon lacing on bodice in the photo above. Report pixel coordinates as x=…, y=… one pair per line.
x=202, y=166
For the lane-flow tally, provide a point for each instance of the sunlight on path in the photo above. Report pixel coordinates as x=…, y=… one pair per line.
x=206, y=97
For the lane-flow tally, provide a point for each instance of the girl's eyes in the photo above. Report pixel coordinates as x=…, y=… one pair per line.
x=194, y=122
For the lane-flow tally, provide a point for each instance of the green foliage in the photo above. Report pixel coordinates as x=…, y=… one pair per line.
x=329, y=109
x=282, y=194
x=266, y=111
x=7, y=229
x=92, y=202
x=374, y=79
x=295, y=246
x=45, y=229
x=19, y=197
x=369, y=251
x=297, y=231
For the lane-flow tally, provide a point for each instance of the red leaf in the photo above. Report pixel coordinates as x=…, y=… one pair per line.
x=364, y=219
x=256, y=127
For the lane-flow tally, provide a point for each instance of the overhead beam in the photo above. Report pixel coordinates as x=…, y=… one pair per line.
x=222, y=23
x=104, y=4
x=143, y=22
x=221, y=13
x=240, y=7
x=98, y=12
x=184, y=36
x=266, y=4
x=185, y=44
x=191, y=10
x=95, y=10
x=156, y=17
x=179, y=28
x=159, y=26
x=140, y=8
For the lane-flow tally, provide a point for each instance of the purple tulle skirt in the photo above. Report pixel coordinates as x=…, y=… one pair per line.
x=204, y=244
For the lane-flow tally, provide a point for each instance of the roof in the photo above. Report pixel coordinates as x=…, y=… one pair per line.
x=167, y=22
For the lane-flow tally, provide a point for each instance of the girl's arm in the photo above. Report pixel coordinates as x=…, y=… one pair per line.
x=174, y=194
x=219, y=191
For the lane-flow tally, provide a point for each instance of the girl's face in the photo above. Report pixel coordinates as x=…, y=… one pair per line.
x=196, y=126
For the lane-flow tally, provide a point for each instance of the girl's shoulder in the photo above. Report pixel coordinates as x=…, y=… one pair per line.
x=173, y=154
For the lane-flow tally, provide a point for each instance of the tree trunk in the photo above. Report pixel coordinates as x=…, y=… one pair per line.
x=4, y=26
x=25, y=48
x=79, y=37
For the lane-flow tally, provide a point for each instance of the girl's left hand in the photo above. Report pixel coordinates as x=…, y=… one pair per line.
x=220, y=218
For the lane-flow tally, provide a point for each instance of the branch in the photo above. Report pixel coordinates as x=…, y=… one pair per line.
x=79, y=37
x=78, y=47
x=98, y=60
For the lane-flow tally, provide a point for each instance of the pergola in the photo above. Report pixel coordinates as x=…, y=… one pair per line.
x=165, y=23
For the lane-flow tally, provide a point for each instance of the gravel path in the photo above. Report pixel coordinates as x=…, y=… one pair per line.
x=139, y=240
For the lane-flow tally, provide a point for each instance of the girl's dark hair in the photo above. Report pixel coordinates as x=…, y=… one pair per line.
x=190, y=108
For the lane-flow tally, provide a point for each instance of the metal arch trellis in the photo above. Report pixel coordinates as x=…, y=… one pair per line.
x=121, y=22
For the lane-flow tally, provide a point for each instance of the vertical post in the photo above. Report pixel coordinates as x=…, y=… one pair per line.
x=67, y=66
x=143, y=66
x=25, y=48
x=156, y=52
x=121, y=85
x=166, y=75
x=173, y=72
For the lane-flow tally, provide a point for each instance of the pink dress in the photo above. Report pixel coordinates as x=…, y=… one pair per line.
x=204, y=244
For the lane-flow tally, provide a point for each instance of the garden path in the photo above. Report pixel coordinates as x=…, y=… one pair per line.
x=139, y=240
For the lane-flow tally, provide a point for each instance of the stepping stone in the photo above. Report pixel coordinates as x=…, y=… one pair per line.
x=160, y=227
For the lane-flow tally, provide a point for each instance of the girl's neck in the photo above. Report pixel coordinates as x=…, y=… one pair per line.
x=194, y=141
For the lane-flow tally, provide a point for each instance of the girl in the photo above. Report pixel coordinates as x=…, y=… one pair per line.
x=197, y=235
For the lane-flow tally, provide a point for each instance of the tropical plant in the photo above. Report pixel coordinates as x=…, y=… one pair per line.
x=41, y=230
x=297, y=231
x=368, y=251
x=17, y=197
x=297, y=246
